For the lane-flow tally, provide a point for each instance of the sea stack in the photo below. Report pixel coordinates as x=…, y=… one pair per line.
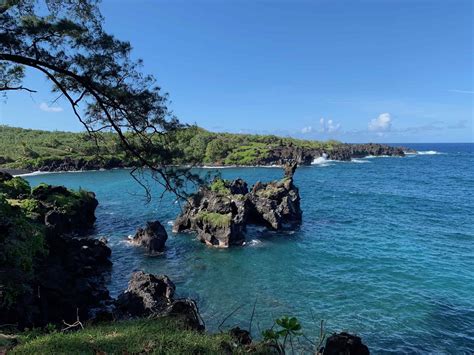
x=220, y=212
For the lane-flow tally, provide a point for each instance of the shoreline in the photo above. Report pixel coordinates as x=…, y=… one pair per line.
x=25, y=172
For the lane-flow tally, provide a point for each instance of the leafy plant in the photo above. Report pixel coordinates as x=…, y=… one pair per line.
x=287, y=329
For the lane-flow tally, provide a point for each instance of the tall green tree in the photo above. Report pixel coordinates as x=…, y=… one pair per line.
x=107, y=90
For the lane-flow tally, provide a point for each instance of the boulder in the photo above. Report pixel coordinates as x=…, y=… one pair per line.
x=238, y=187
x=241, y=336
x=148, y=295
x=344, y=344
x=153, y=237
x=145, y=295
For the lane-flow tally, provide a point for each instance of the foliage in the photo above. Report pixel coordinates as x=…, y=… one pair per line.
x=30, y=207
x=220, y=187
x=191, y=145
x=248, y=154
x=14, y=188
x=287, y=329
x=216, y=150
x=20, y=241
x=160, y=336
x=215, y=219
x=94, y=73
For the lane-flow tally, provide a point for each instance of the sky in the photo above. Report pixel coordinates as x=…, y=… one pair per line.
x=356, y=71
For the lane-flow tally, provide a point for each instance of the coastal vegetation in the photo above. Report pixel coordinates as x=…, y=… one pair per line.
x=161, y=336
x=21, y=240
x=32, y=149
x=27, y=216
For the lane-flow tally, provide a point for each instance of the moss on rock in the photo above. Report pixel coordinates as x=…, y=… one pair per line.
x=217, y=220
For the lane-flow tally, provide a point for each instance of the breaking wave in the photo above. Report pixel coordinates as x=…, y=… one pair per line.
x=429, y=152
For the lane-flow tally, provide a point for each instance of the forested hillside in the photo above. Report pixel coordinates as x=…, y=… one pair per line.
x=32, y=149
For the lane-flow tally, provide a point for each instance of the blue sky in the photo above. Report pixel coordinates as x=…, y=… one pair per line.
x=357, y=71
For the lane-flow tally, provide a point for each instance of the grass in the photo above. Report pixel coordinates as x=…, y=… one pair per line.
x=215, y=219
x=155, y=336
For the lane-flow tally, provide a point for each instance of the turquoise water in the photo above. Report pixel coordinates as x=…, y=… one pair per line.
x=386, y=250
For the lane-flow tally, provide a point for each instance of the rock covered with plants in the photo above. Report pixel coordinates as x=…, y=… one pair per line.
x=48, y=273
x=220, y=213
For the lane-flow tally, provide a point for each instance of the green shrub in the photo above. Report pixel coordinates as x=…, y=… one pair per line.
x=30, y=207
x=220, y=187
x=15, y=187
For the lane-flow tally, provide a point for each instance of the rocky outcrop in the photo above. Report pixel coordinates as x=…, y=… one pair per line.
x=71, y=279
x=153, y=237
x=65, y=281
x=68, y=282
x=276, y=203
x=281, y=155
x=219, y=213
x=344, y=343
x=148, y=295
x=63, y=210
x=220, y=220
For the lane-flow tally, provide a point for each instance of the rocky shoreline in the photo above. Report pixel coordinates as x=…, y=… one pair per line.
x=276, y=156
x=67, y=286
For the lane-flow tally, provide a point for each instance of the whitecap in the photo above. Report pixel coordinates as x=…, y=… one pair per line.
x=359, y=161
x=322, y=160
x=378, y=156
x=170, y=223
x=429, y=152
x=253, y=243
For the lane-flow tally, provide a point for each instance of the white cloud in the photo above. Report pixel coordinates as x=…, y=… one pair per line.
x=45, y=107
x=333, y=127
x=328, y=126
x=383, y=123
x=307, y=129
x=463, y=91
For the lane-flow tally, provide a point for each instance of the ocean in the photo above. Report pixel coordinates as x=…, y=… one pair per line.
x=386, y=250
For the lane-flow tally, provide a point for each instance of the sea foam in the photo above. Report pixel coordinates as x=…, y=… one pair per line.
x=429, y=152
x=322, y=161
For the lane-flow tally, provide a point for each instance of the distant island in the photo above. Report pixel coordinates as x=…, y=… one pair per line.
x=36, y=150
